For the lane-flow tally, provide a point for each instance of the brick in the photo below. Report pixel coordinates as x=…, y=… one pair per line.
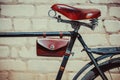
x=32, y=41
x=112, y=25
x=42, y=10
x=53, y=25
x=102, y=8
x=3, y=75
x=71, y=75
x=39, y=24
x=114, y=11
x=52, y=76
x=99, y=1
x=34, y=1
x=17, y=10
x=42, y=77
x=4, y=51
x=44, y=66
x=14, y=52
x=22, y=24
x=69, y=1
x=5, y=1
x=105, y=1
x=78, y=1
x=95, y=39
x=22, y=76
x=78, y=54
x=9, y=64
x=5, y=24
x=61, y=1
x=75, y=65
x=30, y=52
x=115, y=39
x=13, y=41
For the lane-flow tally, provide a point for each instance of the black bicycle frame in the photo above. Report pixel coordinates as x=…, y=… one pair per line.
x=73, y=34
x=33, y=34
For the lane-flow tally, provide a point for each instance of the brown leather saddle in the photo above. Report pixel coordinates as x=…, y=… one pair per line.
x=76, y=13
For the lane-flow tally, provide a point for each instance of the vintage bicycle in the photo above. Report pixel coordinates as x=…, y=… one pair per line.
x=62, y=47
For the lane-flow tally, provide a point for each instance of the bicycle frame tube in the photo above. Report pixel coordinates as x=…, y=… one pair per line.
x=33, y=34
x=66, y=57
x=73, y=34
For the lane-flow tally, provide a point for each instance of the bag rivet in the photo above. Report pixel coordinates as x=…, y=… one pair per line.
x=52, y=47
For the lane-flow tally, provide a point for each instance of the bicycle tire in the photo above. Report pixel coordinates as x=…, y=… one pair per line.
x=105, y=66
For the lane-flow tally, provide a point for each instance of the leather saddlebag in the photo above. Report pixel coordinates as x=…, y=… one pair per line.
x=51, y=47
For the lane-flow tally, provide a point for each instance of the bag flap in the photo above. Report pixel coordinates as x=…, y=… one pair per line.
x=52, y=43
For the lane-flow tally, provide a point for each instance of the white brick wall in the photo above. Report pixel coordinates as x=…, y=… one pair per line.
x=18, y=59
x=105, y=1
x=115, y=11
x=96, y=39
x=39, y=24
x=22, y=76
x=115, y=39
x=112, y=25
x=43, y=67
x=17, y=10
x=22, y=24
x=4, y=51
x=13, y=41
x=42, y=10
x=9, y=64
x=33, y=1
x=5, y=24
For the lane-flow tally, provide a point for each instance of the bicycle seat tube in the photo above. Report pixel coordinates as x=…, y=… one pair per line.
x=74, y=35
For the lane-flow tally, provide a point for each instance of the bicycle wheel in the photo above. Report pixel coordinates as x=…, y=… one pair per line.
x=111, y=68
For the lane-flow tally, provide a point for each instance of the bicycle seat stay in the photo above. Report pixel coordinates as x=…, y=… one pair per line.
x=76, y=13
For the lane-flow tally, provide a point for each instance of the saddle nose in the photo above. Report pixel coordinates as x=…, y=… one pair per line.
x=76, y=13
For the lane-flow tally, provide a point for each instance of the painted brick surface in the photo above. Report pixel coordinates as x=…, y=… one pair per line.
x=22, y=24
x=12, y=65
x=105, y=1
x=5, y=24
x=17, y=10
x=115, y=39
x=33, y=1
x=115, y=11
x=4, y=51
x=42, y=65
x=18, y=59
x=112, y=25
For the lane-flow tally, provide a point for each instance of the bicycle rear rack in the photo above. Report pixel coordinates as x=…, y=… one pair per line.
x=106, y=50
